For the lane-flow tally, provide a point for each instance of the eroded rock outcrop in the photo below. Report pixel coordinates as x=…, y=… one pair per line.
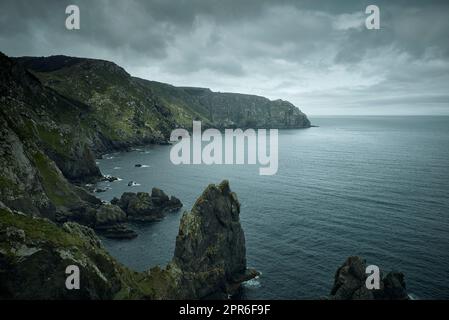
x=210, y=253
x=111, y=223
x=350, y=278
x=144, y=207
x=34, y=255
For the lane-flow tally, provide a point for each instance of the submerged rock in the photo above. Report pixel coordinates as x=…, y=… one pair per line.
x=350, y=278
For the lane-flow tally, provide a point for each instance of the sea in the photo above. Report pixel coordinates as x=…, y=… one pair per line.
x=373, y=186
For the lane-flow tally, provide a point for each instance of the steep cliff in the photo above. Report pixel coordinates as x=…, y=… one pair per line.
x=121, y=111
x=40, y=145
x=141, y=108
x=231, y=110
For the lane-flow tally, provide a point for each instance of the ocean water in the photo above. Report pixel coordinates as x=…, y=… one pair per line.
x=371, y=186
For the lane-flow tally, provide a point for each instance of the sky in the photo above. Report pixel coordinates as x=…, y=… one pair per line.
x=319, y=55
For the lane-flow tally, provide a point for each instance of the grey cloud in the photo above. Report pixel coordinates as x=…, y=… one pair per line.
x=315, y=53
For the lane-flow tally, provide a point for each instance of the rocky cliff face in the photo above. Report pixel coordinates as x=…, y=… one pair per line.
x=350, y=278
x=248, y=111
x=32, y=130
x=152, y=108
x=231, y=110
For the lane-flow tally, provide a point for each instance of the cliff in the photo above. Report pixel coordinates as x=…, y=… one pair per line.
x=232, y=110
x=153, y=108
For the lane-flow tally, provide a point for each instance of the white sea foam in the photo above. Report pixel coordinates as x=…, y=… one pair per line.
x=135, y=184
x=252, y=283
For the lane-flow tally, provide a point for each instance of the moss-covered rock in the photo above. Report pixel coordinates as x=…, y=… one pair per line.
x=210, y=253
x=35, y=252
x=144, y=207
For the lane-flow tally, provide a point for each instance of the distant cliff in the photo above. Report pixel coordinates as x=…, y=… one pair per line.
x=232, y=110
x=135, y=106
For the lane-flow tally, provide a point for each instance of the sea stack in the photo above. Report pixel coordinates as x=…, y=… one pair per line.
x=210, y=248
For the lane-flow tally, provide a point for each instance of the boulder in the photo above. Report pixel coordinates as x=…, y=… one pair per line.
x=142, y=206
x=110, y=222
x=158, y=197
x=109, y=178
x=109, y=214
x=350, y=283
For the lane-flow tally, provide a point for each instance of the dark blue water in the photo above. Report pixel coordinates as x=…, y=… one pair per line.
x=371, y=186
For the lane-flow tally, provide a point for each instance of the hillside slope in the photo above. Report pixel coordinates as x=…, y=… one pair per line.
x=136, y=107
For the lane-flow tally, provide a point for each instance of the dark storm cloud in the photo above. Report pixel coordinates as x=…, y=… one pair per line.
x=318, y=54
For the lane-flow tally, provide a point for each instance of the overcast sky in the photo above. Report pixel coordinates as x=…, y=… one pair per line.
x=316, y=54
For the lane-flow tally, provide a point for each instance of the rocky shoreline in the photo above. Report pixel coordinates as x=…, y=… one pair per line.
x=209, y=258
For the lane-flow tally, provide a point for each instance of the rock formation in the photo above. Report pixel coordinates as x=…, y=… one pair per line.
x=210, y=246
x=349, y=283
x=111, y=223
x=34, y=255
x=143, y=207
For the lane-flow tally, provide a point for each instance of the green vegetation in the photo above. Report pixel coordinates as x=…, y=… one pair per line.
x=9, y=186
x=37, y=229
x=56, y=187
